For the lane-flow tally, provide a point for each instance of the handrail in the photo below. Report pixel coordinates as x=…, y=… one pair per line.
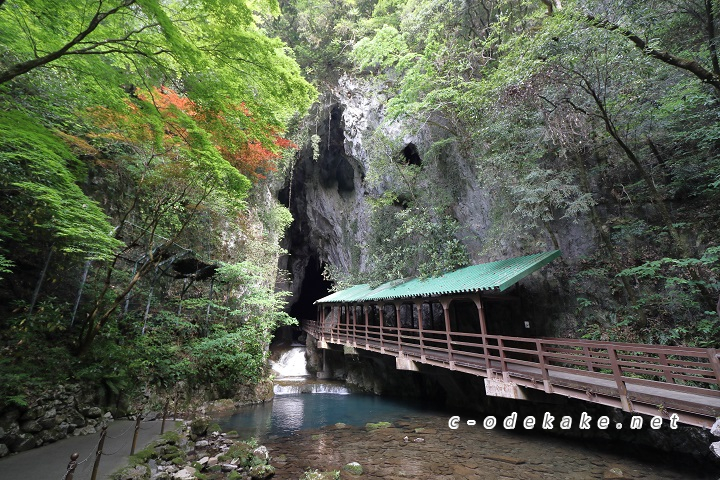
x=622, y=362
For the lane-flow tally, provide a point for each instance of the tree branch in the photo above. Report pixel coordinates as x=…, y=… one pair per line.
x=683, y=63
x=25, y=67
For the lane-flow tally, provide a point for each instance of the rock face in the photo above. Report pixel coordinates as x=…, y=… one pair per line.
x=51, y=417
x=328, y=197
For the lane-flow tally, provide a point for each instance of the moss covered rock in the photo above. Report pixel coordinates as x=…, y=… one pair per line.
x=353, y=467
x=375, y=426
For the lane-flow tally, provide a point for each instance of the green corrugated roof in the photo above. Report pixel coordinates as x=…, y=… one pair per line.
x=499, y=276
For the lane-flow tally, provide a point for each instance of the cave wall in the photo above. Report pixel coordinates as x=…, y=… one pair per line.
x=327, y=197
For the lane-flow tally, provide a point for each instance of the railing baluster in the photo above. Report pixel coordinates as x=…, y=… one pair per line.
x=540, y=346
x=667, y=371
x=617, y=373
x=588, y=359
x=501, y=349
x=715, y=362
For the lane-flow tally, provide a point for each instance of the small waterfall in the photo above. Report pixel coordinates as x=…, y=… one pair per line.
x=336, y=389
x=291, y=365
x=292, y=377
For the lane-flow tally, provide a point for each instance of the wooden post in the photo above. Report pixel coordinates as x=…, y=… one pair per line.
x=135, y=434
x=543, y=367
x=354, y=325
x=162, y=427
x=382, y=321
x=71, y=466
x=418, y=305
x=503, y=364
x=397, y=325
x=617, y=373
x=714, y=362
x=322, y=322
x=334, y=313
x=667, y=371
x=98, y=453
x=367, y=321
x=588, y=359
x=446, y=309
x=483, y=330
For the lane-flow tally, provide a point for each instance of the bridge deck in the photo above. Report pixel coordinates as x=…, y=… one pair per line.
x=649, y=379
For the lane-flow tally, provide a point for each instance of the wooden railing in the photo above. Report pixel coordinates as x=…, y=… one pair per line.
x=548, y=361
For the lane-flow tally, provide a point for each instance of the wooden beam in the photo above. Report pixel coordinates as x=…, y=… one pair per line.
x=445, y=302
x=418, y=304
x=397, y=325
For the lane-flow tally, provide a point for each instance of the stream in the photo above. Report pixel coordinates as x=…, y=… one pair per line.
x=321, y=425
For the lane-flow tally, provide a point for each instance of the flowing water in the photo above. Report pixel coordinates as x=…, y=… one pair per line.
x=325, y=431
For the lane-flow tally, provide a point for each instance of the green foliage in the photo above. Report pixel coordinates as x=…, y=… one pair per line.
x=229, y=359
x=40, y=184
x=384, y=50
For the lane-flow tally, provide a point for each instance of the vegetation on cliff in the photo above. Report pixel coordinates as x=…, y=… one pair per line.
x=138, y=236
x=137, y=239
x=587, y=126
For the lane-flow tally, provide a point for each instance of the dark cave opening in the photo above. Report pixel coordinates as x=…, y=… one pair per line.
x=411, y=155
x=312, y=288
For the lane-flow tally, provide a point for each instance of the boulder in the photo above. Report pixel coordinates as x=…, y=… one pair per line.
x=86, y=430
x=9, y=419
x=261, y=453
x=613, y=474
x=24, y=441
x=92, y=412
x=33, y=414
x=31, y=426
x=187, y=473
x=63, y=428
x=715, y=429
x=138, y=472
x=4, y=450
x=354, y=468
x=261, y=472
x=200, y=425
x=48, y=436
x=48, y=423
x=73, y=417
x=715, y=448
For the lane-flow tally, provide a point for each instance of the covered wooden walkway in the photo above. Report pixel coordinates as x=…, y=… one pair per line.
x=649, y=379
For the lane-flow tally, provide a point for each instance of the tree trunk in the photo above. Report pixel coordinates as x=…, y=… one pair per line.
x=40, y=281
x=80, y=290
x=710, y=26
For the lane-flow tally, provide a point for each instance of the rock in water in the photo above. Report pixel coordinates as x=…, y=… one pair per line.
x=715, y=448
x=354, y=468
x=715, y=430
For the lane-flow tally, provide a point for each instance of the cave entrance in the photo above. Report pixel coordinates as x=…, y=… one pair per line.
x=312, y=287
